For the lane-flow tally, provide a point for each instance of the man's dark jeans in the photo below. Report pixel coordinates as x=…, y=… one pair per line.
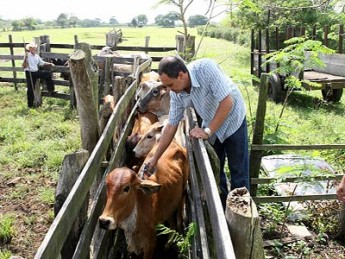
x=235, y=148
x=31, y=81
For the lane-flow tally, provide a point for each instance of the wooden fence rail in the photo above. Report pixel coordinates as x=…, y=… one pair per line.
x=257, y=148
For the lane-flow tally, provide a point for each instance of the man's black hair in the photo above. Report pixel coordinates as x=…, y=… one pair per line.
x=171, y=66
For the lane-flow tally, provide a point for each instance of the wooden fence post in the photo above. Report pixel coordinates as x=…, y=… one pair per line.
x=71, y=168
x=13, y=61
x=87, y=104
x=325, y=35
x=256, y=155
x=341, y=37
x=244, y=225
x=147, y=41
x=185, y=48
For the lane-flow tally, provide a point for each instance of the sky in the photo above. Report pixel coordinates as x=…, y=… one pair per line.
x=123, y=10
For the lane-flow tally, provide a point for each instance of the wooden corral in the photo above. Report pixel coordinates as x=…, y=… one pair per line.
x=212, y=239
x=331, y=77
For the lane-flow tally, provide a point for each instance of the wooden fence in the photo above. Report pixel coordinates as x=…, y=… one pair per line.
x=15, y=75
x=104, y=244
x=258, y=148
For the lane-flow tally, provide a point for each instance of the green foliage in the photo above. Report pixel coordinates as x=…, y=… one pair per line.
x=142, y=19
x=196, y=20
x=234, y=35
x=46, y=195
x=5, y=254
x=6, y=228
x=259, y=14
x=182, y=242
x=168, y=20
x=273, y=211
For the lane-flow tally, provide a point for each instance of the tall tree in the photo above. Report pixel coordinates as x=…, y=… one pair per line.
x=142, y=19
x=62, y=20
x=196, y=20
x=113, y=20
x=167, y=20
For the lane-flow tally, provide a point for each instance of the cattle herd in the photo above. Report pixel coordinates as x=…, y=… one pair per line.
x=136, y=200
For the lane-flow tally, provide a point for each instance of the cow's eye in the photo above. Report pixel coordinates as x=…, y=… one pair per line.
x=155, y=92
x=149, y=136
x=126, y=189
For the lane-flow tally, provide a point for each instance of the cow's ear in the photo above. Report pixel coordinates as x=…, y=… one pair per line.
x=149, y=187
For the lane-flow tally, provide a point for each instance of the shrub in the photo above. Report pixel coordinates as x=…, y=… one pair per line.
x=6, y=228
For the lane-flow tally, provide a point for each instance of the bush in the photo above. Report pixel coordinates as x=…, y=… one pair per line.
x=227, y=33
x=6, y=228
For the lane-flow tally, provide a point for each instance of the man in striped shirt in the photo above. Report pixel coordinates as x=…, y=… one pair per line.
x=218, y=101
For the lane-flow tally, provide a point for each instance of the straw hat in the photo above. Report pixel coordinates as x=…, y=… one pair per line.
x=31, y=45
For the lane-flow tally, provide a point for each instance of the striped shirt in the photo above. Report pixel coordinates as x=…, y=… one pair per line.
x=34, y=61
x=209, y=86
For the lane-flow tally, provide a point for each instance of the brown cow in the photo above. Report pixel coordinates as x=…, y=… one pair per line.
x=147, y=81
x=108, y=105
x=137, y=205
x=157, y=101
x=142, y=122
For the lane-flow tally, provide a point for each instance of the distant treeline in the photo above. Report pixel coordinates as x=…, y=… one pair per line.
x=68, y=21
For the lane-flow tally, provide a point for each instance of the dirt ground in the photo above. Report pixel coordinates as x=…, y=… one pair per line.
x=32, y=218
x=283, y=244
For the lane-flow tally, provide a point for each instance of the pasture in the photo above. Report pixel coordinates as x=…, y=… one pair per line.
x=34, y=142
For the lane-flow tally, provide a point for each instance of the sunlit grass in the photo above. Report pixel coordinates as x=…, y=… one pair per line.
x=6, y=228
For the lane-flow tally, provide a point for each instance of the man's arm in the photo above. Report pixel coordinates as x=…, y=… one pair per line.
x=222, y=112
x=165, y=140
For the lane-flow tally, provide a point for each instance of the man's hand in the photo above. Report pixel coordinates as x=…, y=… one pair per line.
x=151, y=165
x=198, y=133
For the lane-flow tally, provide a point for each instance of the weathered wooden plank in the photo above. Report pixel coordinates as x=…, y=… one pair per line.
x=12, y=80
x=262, y=147
x=334, y=64
x=268, y=199
x=11, y=69
x=51, y=55
x=267, y=180
x=222, y=240
x=10, y=57
x=202, y=246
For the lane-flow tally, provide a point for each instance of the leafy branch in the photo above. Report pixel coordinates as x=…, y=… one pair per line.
x=182, y=242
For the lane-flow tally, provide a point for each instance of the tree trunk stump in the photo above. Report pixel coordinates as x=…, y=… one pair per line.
x=243, y=221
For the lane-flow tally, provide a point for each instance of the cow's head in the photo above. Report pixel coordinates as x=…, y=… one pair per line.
x=123, y=185
x=157, y=101
x=148, y=140
x=146, y=86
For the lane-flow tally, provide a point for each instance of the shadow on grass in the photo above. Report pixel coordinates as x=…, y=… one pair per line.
x=306, y=102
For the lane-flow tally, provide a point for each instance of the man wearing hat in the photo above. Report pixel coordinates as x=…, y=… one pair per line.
x=32, y=62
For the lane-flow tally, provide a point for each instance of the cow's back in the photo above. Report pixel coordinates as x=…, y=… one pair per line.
x=171, y=173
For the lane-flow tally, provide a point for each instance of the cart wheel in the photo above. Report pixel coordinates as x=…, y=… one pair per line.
x=275, y=88
x=333, y=95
